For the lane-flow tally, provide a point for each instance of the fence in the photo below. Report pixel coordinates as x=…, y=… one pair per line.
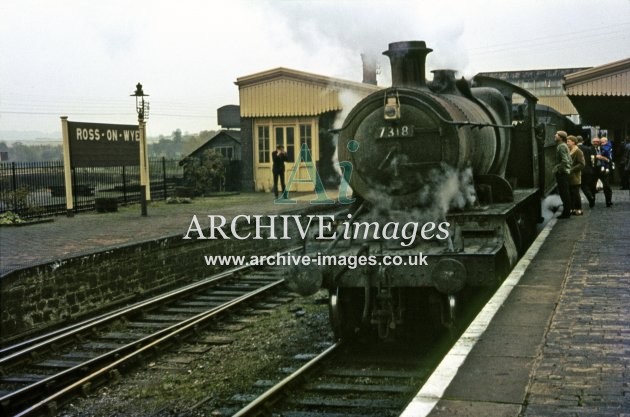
x=33, y=189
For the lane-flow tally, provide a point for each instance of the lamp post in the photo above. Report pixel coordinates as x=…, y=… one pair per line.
x=142, y=108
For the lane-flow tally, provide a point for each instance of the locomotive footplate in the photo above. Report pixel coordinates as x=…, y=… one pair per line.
x=448, y=272
x=483, y=246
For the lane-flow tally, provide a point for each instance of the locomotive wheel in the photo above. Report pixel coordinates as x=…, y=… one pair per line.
x=346, y=307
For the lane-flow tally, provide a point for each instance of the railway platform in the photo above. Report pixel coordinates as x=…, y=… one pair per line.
x=89, y=232
x=555, y=339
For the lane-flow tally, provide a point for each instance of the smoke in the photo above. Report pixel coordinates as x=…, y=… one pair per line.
x=348, y=99
x=336, y=33
x=443, y=189
x=550, y=205
x=343, y=30
x=458, y=191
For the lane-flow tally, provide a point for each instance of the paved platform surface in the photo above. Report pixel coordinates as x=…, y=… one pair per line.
x=88, y=232
x=560, y=343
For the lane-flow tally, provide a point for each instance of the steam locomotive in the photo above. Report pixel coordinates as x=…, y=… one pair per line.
x=470, y=155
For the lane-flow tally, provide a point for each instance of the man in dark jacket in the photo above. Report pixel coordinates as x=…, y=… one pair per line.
x=279, y=157
x=587, y=172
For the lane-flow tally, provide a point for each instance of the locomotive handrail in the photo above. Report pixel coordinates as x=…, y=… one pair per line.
x=460, y=123
x=479, y=125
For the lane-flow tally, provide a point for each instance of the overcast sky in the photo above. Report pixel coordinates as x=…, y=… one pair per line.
x=83, y=58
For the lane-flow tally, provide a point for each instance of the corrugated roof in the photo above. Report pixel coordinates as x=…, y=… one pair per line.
x=281, y=72
x=282, y=92
x=612, y=79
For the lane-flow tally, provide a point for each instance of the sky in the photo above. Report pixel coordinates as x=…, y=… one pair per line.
x=83, y=59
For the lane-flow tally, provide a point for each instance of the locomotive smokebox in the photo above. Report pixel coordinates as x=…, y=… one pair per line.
x=408, y=63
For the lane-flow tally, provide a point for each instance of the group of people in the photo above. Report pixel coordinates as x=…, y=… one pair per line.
x=580, y=167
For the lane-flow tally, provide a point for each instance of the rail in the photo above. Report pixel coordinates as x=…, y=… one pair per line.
x=61, y=384
x=258, y=404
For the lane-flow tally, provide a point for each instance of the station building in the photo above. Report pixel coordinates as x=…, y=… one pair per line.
x=601, y=95
x=595, y=96
x=546, y=85
x=227, y=142
x=293, y=108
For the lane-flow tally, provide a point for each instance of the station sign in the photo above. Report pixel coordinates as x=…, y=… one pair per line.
x=99, y=145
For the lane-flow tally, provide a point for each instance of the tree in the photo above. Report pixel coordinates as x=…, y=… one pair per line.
x=205, y=173
x=177, y=137
x=24, y=152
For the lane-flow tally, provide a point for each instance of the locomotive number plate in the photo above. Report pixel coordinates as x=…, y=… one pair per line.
x=386, y=132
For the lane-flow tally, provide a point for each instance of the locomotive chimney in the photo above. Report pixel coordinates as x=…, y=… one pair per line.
x=369, y=69
x=408, y=63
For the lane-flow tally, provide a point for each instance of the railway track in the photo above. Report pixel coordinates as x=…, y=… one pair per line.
x=341, y=381
x=42, y=373
x=352, y=380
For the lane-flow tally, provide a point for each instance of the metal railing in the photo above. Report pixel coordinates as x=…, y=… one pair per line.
x=35, y=189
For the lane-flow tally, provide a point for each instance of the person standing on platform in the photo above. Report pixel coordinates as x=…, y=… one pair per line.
x=605, y=144
x=575, y=177
x=279, y=157
x=596, y=146
x=561, y=170
x=587, y=173
x=601, y=169
x=608, y=146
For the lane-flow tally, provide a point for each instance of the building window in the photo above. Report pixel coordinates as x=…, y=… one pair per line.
x=291, y=134
x=285, y=136
x=226, y=151
x=290, y=146
x=263, y=144
x=279, y=136
x=306, y=137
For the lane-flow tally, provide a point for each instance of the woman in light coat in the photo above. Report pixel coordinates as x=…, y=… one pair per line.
x=575, y=176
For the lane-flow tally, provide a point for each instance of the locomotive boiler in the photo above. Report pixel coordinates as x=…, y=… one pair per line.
x=445, y=152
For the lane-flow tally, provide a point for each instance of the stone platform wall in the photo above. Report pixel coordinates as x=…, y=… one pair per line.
x=37, y=298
